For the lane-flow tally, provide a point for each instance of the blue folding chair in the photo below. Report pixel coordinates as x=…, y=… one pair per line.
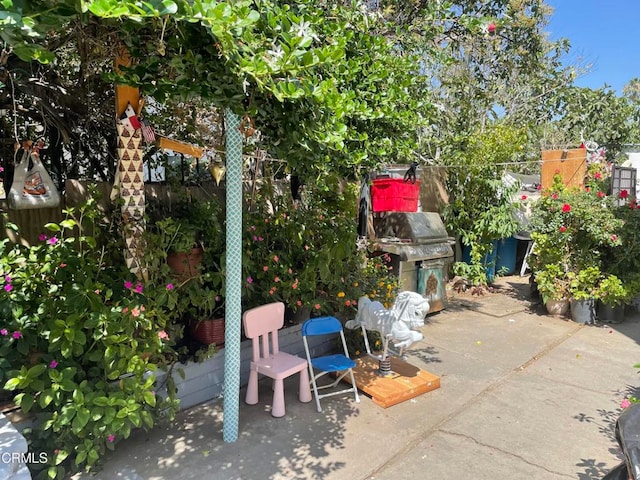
x=327, y=364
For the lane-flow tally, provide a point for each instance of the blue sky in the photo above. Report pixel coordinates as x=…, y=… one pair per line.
x=604, y=33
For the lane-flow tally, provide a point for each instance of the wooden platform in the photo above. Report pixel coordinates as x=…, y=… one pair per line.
x=405, y=383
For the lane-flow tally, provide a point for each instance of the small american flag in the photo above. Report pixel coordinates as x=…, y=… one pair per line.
x=148, y=132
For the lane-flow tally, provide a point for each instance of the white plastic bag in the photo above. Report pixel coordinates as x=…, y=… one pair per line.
x=32, y=187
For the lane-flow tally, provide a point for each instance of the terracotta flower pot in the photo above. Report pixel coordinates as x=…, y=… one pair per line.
x=557, y=308
x=186, y=265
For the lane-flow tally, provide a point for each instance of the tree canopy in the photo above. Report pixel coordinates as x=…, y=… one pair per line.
x=330, y=85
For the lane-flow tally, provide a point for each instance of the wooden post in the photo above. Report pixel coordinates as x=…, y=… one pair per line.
x=129, y=183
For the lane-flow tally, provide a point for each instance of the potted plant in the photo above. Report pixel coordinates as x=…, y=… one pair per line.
x=553, y=286
x=584, y=290
x=613, y=295
x=186, y=229
x=201, y=305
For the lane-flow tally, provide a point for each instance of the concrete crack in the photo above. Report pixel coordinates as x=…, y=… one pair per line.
x=504, y=452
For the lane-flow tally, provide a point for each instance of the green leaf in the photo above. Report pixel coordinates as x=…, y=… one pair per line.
x=68, y=223
x=101, y=401
x=54, y=227
x=150, y=398
x=45, y=398
x=80, y=420
x=26, y=402
x=12, y=384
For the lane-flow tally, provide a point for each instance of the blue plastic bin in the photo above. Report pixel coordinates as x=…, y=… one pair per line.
x=506, y=256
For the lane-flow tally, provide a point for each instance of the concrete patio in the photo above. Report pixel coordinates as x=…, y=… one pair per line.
x=523, y=396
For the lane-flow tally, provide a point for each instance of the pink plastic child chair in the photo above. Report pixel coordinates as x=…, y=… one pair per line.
x=261, y=325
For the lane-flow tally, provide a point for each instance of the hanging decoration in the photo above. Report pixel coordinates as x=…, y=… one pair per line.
x=32, y=186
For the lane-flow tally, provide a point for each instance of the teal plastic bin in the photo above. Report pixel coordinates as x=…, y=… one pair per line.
x=506, y=256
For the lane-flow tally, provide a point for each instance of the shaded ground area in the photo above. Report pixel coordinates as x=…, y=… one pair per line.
x=523, y=395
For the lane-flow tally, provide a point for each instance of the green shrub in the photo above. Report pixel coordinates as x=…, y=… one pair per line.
x=80, y=340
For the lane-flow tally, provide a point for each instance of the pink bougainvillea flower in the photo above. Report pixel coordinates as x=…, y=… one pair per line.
x=563, y=229
x=42, y=237
x=317, y=306
x=170, y=286
x=7, y=279
x=260, y=239
x=614, y=237
x=265, y=269
x=587, y=189
x=128, y=285
x=601, y=194
x=8, y=287
x=554, y=196
x=347, y=303
x=491, y=28
x=139, y=287
x=163, y=335
x=111, y=438
x=299, y=303
x=597, y=175
x=135, y=312
x=16, y=334
x=538, y=187
x=306, y=247
x=625, y=403
x=125, y=309
x=276, y=258
x=53, y=364
x=255, y=238
x=4, y=332
x=253, y=227
x=249, y=280
x=523, y=197
x=276, y=279
x=566, y=208
x=52, y=241
x=272, y=291
x=217, y=298
x=624, y=193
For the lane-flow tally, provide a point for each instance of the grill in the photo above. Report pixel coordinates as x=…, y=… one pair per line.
x=420, y=251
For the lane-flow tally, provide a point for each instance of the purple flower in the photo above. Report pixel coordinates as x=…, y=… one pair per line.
x=128, y=285
x=4, y=332
x=138, y=288
x=16, y=335
x=52, y=241
x=170, y=286
x=111, y=438
x=53, y=364
x=42, y=237
x=7, y=279
x=249, y=280
x=8, y=287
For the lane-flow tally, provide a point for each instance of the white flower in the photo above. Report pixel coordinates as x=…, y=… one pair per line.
x=303, y=30
x=275, y=54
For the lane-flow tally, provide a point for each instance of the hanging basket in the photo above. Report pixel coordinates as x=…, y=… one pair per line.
x=210, y=331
